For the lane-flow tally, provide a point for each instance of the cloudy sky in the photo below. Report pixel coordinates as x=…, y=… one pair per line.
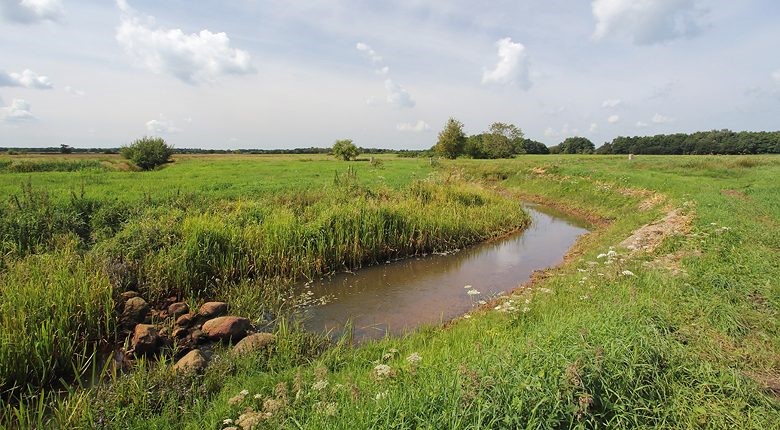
x=284, y=74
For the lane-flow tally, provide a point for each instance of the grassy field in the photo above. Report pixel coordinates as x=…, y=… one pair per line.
x=684, y=336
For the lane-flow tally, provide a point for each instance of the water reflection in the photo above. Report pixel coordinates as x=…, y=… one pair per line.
x=402, y=295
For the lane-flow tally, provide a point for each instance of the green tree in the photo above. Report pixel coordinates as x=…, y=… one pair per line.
x=65, y=149
x=577, y=145
x=534, y=147
x=345, y=149
x=502, y=141
x=452, y=140
x=148, y=152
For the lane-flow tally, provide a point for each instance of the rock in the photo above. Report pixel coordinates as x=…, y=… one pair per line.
x=213, y=309
x=129, y=295
x=226, y=328
x=135, y=310
x=198, y=336
x=184, y=320
x=253, y=342
x=178, y=308
x=145, y=340
x=193, y=361
x=179, y=333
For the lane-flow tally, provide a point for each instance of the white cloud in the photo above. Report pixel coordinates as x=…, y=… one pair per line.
x=593, y=127
x=195, y=58
x=565, y=131
x=161, y=126
x=512, y=66
x=640, y=124
x=74, y=92
x=370, y=53
x=417, y=127
x=31, y=11
x=613, y=119
x=776, y=75
x=26, y=79
x=611, y=103
x=646, y=22
x=18, y=111
x=661, y=119
x=397, y=95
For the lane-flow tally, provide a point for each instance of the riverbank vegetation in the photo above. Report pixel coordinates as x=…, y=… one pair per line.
x=629, y=332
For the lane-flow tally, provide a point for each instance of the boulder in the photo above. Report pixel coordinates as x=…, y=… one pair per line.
x=254, y=342
x=193, y=361
x=184, y=320
x=127, y=295
x=145, y=340
x=226, y=328
x=135, y=310
x=213, y=309
x=177, y=309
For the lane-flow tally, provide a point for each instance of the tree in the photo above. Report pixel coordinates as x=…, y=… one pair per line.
x=65, y=149
x=534, y=147
x=345, y=149
x=502, y=140
x=147, y=152
x=577, y=145
x=452, y=140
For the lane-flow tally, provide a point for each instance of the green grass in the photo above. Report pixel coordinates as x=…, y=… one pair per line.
x=595, y=349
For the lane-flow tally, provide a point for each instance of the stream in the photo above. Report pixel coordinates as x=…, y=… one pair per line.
x=399, y=296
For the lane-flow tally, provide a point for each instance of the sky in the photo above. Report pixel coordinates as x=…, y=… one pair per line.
x=286, y=74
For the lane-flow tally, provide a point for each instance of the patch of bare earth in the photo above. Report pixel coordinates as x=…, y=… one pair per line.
x=648, y=237
x=735, y=194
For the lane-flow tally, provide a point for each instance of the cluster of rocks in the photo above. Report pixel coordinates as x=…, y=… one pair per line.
x=190, y=336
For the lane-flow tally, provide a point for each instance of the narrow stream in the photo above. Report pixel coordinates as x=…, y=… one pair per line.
x=399, y=296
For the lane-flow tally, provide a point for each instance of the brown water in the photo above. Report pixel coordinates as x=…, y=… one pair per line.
x=399, y=296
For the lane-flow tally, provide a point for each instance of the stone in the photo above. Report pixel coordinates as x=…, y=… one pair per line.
x=193, y=361
x=184, y=320
x=145, y=340
x=226, y=328
x=129, y=295
x=254, y=342
x=213, y=309
x=198, y=336
x=179, y=333
x=135, y=310
x=177, y=309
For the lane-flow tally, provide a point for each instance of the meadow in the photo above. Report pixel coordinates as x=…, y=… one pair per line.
x=684, y=334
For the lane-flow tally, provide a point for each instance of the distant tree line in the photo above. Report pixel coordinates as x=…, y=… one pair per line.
x=501, y=140
x=702, y=142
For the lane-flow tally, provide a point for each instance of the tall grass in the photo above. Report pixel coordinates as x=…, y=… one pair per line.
x=28, y=166
x=54, y=307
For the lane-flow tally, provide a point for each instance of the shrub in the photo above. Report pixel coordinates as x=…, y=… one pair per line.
x=148, y=152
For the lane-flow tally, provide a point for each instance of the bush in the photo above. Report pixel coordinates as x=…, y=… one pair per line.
x=345, y=149
x=148, y=152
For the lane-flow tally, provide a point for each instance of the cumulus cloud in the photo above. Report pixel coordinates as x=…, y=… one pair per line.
x=611, y=103
x=640, y=124
x=613, y=119
x=195, y=58
x=31, y=11
x=396, y=94
x=646, y=22
x=161, y=126
x=17, y=112
x=593, y=127
x=417, y=127
x=565, y=131
x=26, y=79
x=369, y=52
x=512, y=65
x=661, y=119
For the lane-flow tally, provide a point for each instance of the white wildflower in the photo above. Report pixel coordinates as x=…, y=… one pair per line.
x=627, y=273
x=258, y=396
x=244, y=392
x=472, y=292
x=467, y=287
x=383, y=370
x=381, y=395
x=482, y=302
x=585, y=297
x=227, y=421
x=467, y=316
x=526, y=309
x=414, y=359
x=611, y=253
x=320, y=385
x=601, y=255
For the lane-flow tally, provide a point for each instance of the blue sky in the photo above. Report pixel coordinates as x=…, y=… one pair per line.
x=281, y=74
